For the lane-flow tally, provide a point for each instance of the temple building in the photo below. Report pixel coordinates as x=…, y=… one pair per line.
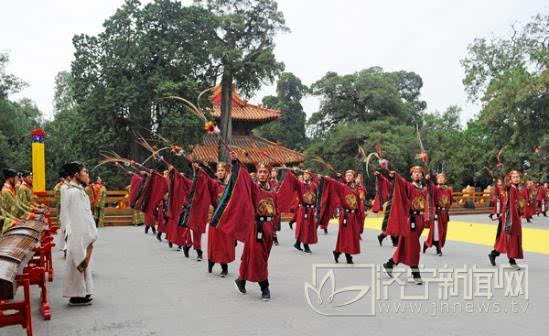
x=251, y=149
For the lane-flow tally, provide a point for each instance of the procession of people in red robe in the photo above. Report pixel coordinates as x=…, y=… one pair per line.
x=233, y=204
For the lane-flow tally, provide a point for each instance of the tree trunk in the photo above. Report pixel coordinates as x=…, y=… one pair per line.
x=225, y=124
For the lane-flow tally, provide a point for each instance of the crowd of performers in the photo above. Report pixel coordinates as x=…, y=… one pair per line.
x=247, y=208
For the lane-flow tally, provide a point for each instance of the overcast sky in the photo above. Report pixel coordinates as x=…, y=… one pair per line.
x=427, y=37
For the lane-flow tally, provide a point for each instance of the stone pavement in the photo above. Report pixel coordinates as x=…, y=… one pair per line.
x=145, y=288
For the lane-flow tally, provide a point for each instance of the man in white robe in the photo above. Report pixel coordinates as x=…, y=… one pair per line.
x=81, y=234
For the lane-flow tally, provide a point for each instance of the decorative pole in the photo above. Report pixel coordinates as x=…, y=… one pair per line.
x=38, y=162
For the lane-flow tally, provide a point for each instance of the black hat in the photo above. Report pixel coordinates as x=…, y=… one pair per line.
x=62, y=172
x=73, y=168
x=26, y=173
x=9, y=173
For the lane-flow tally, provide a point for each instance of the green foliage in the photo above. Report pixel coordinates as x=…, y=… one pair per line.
x=366, y=95
x=17, y=120
x=510, y=78
x=340, y=146
x=8, y=82
x=290, y=128
x=244, y=33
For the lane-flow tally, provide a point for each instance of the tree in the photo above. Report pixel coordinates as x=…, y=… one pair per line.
x=511, y=79
x=17, y=120
x=366, y=95
x=8, y=83
x=340, y=146
x=121, y=75
x=243, y=49
x=290, y=128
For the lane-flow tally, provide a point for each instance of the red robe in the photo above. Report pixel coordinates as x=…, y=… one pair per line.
x=207, y=193
x=154, y=190
x=136, y=186
x=336, y=194
x=177, y=194
x=531, y=195
x=383, y=192
x=406, y=220
x=276, y=221
x=443, y=201
x=305, y=230
x=161, y=216
x=247, y=212
x=221, y=246
x=510, y=227
x=362, y=207
x=541, y=200
x=495, y=200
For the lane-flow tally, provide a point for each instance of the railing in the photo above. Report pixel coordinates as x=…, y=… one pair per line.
x=118, y=213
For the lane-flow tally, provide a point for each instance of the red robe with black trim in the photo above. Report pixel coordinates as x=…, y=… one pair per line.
x=221, y=246
x=443, y=201
x=509, y=240
x=207, y=192
x=345, y=196
x=135, y=190
x=305, y=230
x=177, y=194
x=406, y=220
x=247, y=212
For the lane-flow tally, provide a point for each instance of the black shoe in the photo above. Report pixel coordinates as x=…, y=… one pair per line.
x=79, y=301
x=179, y=248
x=275, y=240
x=240, y=286
x=186, y=251
x=349, y=258
x=528, y=220
x=380, y=238
x=326, y=231
x=210, y=266
x=224, y=270
x=514, y=265
x=153, y=229
x=291, y=224
x=336, y=256
x=492, y=258
x=147, y=229
x=198, y=255
x=159, y=236
x=297, y=246
x=424, y=248
x=170, y=245
x=306, y=248
x=265, y=294
x=545, y=214
x=388, y=268
x=394, y=240
x=417, y=277
x=439, y=252
x=491, y=216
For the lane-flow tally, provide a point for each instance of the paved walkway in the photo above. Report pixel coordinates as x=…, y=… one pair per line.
x=145, y=288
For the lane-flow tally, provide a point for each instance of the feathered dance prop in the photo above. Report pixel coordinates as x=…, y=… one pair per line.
x=328, y=166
